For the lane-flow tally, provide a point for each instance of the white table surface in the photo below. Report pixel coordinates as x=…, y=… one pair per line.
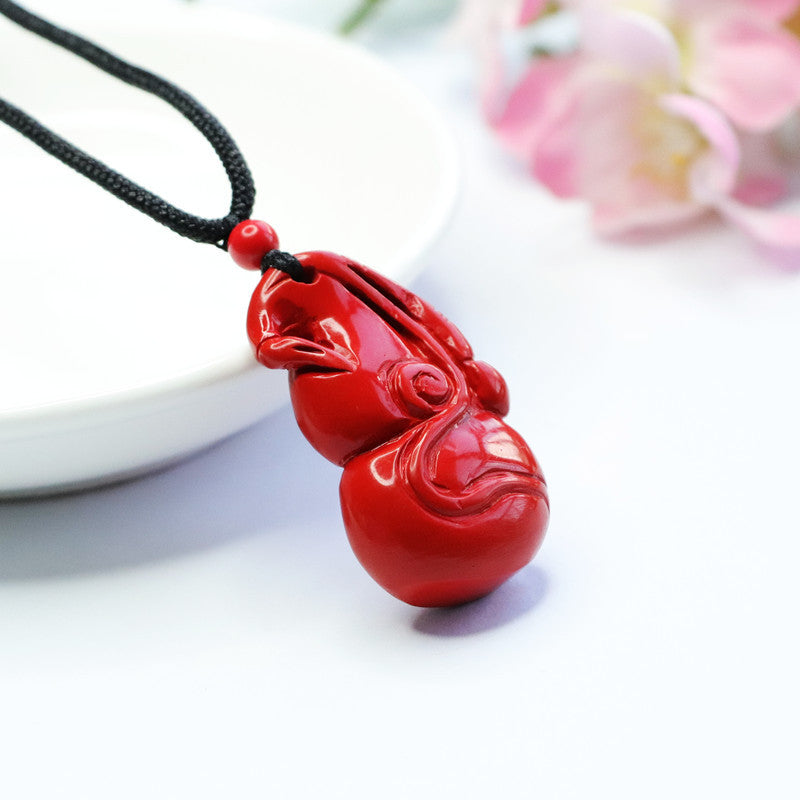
x=205, y=632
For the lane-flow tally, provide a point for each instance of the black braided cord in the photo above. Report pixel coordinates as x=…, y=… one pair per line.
x=208, y=231
x=285, y=262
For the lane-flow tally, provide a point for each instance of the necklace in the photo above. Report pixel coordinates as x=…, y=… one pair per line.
x=442, y=501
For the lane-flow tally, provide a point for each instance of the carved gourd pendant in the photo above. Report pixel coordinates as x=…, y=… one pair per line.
x=442, y=500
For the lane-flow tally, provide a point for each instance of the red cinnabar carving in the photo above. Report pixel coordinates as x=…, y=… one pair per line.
x=442, y=500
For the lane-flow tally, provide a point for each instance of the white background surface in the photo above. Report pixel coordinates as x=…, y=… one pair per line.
x=205, y=632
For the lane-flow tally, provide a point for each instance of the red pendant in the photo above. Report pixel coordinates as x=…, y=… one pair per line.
x=442, y=500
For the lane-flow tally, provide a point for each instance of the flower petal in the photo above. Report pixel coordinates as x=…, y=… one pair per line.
x=529, y=10
x=774, y=228
x=538, y=98
x=762, y=178
x=612, y=221
x=557, y=152
x=636, y=43
x=747, y=69
x=771, y=10
x=765, y=10
x=721, y=160
x=777, y=229
x=615, y=146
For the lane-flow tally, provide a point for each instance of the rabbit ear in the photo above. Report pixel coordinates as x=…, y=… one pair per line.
x=435, y=335
x=437, y=325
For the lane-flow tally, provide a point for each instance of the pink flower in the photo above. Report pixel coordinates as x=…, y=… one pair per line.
x=610, y=124
x=657, y=112
x=743, y=56
x=617, y=122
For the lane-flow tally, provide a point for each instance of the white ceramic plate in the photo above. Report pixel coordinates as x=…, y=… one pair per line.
x=122, y=346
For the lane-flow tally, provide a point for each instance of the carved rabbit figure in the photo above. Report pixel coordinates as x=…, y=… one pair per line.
x=442, y=501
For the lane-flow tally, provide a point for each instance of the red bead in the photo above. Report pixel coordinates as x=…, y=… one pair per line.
x=250, y=241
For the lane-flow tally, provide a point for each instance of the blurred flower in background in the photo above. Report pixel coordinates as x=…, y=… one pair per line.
x=654, y=111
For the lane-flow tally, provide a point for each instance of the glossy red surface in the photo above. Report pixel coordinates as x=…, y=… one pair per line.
x=250, y=241
x=441, y=499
